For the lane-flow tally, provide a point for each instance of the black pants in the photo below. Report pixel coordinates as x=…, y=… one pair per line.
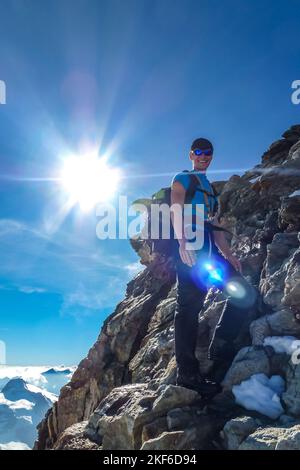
x=192, y=285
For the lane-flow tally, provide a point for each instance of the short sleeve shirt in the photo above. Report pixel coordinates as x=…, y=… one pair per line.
x=197, y=205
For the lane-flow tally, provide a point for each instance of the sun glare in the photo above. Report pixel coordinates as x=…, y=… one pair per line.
x=89, y=180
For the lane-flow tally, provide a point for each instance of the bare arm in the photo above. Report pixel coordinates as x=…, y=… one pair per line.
x=178, y=197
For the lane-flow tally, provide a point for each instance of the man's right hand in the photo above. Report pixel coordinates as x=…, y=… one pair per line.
x=187, y=256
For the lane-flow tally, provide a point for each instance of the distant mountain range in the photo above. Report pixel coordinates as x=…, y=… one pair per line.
x=23, y=404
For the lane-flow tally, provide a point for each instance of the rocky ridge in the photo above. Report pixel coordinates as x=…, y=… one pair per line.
x=123, y=394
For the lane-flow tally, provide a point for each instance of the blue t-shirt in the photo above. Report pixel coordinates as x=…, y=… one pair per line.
x=184, y=179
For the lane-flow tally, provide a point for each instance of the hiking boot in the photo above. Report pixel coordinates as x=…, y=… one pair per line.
x=198, y=383
x=208, y=388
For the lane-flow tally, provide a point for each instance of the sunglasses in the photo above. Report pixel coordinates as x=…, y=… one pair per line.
x=207, y=152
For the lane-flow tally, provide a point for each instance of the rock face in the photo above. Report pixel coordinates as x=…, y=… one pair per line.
x=133, y=415
x=273, y=438
x=123, y=394
x=237, y=429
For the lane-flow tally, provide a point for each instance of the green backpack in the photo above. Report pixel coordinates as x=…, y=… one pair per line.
x=169, y=247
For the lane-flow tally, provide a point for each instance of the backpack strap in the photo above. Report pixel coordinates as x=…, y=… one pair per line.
x=189, y=194
x=195, y=182
x=205, y=195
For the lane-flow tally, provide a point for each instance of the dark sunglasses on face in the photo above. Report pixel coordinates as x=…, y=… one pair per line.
x=207, y=152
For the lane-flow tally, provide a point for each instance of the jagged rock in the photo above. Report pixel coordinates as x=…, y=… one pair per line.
x=208, y=419
x=289, y=214
x=132, y=362
x=154, y=429
x=292, y=134
x=277, y=152
x=182, y=417
x=172, y=396
x=273, y=438
x=273, y=278
x=247, y=362
x=237, y=429
x=292, y=282
x=280, y=323
x=73, y=438
x=157, y=346
x=291, y=440
x=197, y=435
x=118, y=421
x=176, y=440
x=291, y=397
x=263, y=439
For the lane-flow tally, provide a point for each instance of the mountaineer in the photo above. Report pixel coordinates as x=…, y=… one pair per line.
x=199, y=269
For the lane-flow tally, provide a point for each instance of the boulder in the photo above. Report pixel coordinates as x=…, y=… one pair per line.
x=247, y=362
x=237, y=429
x=291, y=397
x=273, y=438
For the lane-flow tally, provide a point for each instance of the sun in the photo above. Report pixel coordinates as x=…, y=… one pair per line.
x=88, y=179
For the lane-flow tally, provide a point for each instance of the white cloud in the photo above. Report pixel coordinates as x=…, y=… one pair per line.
x=23, y=289
x=16, y=405
x=13, y=227
x=13, y=445
x=32, y=290
x=33, y=375
x=86, y=275
x=84, y=302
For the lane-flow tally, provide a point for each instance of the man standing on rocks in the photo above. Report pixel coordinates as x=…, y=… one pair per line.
x=198, y=269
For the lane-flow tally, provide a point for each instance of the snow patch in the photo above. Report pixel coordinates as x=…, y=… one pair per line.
x=295, y=193
x=254, y=179
x=283, y=344
x=262, y=394
x=32, y=388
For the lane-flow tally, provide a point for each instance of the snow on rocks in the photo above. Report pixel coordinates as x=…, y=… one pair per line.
x=262, y=394
x=295, y=193
x=283, y=344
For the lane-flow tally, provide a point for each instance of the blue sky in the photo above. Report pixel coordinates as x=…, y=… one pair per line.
x=141, y=77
